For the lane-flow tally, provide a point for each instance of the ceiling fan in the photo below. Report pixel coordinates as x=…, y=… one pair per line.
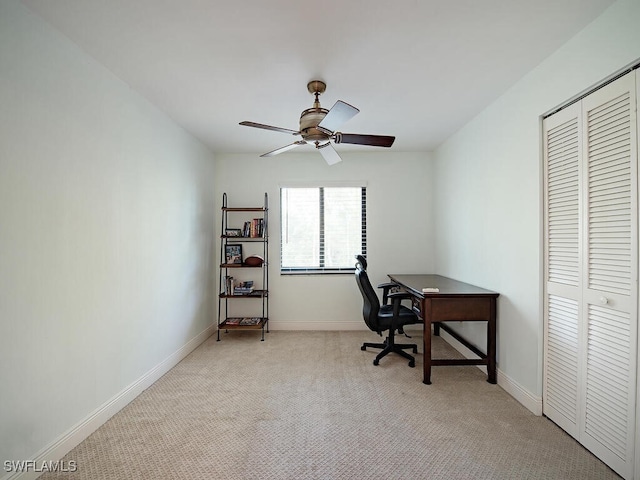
x=318, y=126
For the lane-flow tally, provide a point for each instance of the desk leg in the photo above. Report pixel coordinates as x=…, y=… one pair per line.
x=491, y=345
x=426, y=364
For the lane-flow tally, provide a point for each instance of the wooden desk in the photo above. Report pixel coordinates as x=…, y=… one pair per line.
x=455, y=301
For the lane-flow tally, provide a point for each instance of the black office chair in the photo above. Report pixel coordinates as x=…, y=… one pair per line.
x=385, y=318
x=387, y=287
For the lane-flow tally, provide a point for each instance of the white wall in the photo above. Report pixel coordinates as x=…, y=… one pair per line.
x=399, y=226
x=107, y=210
x=488, y=190
x=106, y=228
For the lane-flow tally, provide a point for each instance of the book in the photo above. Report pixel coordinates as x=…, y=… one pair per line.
x=253, y=228
x=227, y=285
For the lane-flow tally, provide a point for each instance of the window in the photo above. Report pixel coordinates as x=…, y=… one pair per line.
x=322, y=228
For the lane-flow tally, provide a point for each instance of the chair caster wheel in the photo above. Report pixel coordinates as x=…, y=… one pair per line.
x=376, y=362
x=412, y=363
x=363, y=348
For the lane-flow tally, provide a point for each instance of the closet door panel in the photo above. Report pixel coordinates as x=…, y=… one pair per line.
x=561, y=363
x=608, y=420
x=563, y=269
x=562, y=147
x=610, y=263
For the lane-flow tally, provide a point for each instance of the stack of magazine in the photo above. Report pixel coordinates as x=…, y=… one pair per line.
x=243, y=288
x=236, y=287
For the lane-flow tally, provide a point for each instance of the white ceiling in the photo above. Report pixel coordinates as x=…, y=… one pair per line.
x=416, y=69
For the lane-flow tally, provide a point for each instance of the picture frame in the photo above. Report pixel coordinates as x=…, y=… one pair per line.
x=233, y=232
x=233, y=254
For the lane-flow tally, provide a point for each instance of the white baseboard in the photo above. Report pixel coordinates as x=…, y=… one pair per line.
x=319, y=325
x=329, y=326
x=513, y=388
x=79, y=432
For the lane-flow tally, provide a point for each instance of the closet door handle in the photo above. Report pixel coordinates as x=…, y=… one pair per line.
x=604, y=300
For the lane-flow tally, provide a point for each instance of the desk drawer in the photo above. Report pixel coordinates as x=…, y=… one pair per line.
x=467, y=308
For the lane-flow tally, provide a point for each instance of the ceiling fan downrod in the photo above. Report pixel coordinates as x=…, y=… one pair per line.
x=317, y=88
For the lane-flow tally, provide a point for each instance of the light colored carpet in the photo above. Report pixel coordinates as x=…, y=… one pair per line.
x=310, y=405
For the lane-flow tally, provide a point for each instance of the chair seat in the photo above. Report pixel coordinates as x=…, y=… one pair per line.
x=405, y=317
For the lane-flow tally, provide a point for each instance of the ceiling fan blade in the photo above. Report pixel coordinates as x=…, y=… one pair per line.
x=339, y=114
x=329, y=153
x=371, y=140
x=284, y=149
x=269, y=127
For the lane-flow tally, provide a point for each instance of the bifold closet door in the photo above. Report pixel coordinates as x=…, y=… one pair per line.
x=609, y=306
x=563, y=267
x=591, y=272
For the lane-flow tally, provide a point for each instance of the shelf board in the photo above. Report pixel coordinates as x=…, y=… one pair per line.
x=244, y=239
x=244, y=209
x=235, y=326
x=254, y=294
x=241, y=265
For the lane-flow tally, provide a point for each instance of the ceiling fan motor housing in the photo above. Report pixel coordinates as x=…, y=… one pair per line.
x=309, y=120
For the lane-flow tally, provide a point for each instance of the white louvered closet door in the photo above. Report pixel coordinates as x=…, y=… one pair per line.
x=610, y=291
x=563, y=146
x=591, y=271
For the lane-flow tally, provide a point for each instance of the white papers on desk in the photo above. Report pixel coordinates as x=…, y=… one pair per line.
x=430, y=290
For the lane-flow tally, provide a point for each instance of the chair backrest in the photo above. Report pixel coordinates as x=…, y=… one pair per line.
x=362, y=261
x=371, y=304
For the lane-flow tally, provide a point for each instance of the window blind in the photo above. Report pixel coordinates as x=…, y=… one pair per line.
x=322, y=228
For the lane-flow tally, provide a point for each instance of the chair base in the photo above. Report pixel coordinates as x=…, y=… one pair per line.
x=389, y=347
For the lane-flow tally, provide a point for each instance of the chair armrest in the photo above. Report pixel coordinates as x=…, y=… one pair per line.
x=397, y=298
x=386, y=287
x=399, y=295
